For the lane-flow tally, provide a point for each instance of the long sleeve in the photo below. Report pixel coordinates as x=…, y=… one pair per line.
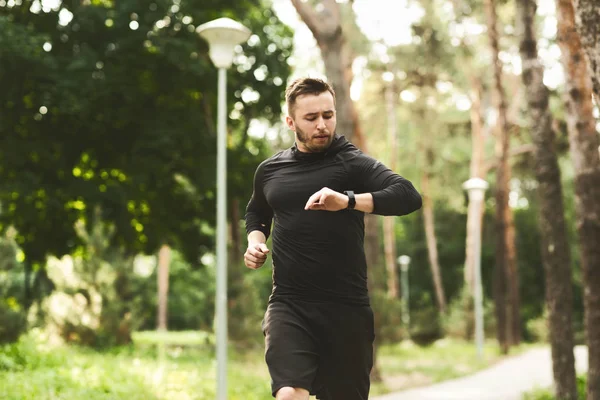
x=259, y=214
x=392, y=194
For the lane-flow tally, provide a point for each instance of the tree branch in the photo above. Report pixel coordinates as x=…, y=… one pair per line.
x=308, y=15
x=515, y=151
x=321, y=24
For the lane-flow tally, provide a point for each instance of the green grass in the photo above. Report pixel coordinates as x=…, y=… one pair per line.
x=32, y=369
x=181, y=338
x=548, y=394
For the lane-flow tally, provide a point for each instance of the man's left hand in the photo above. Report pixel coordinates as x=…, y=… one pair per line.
x=327, y=200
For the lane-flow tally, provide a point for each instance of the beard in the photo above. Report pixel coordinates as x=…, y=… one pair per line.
x=312, y=143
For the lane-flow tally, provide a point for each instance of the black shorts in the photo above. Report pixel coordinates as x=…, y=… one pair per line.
x=325, y=348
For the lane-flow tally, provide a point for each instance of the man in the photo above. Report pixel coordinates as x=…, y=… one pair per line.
x=318, y=325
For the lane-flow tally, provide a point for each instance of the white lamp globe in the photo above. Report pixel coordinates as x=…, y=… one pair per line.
x=223, y=35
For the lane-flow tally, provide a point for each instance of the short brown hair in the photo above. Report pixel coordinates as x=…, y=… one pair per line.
x=300, y=86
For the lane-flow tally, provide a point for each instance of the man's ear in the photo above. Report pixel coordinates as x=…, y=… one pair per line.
x=290, y=123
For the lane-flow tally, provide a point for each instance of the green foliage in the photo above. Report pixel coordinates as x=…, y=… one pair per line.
x=425, y=322
x=181, y=338
x=459, y=320
x=31, y=351
x=116, y=109
x=537, y=329
x=388, y=314
x=13, y=319
x=547, y=394
x=96, y=299
x=190, y=303
x=71, y=372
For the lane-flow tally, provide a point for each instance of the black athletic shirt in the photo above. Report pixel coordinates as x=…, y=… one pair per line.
x=319, y=255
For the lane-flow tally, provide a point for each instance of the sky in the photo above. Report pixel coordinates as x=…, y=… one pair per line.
x=393, y=27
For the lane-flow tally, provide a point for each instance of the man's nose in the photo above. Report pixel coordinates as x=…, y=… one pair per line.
x=321, y=123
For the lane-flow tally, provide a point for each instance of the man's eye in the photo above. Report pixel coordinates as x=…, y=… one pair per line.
x=310, y=119
x=327, y=116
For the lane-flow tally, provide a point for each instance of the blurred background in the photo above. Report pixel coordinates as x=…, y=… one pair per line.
x=108, y=135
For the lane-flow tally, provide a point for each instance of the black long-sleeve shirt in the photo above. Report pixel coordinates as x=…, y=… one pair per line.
x=319, y=255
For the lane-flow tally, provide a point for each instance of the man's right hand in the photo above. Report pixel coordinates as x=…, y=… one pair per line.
x=256, y=255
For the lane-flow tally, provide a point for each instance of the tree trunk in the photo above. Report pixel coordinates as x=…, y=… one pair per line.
x=506, y=279
x=164, y=259
x=554, y=243
x=327, y=29
x=432, y=253
x=477, y=142
x=584, y=144
x=374, y=282
x=587, y=12
x=389, y=233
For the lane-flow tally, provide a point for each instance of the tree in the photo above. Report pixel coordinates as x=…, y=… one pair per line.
x=164, y=259
x=117, y=112
x=506, y=294
x=554, y=245
x=476, y=171
x=588, y=28
x=326, y=27
x=584, y=144
x=389, y=232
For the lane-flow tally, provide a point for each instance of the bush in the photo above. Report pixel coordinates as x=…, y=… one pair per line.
x=31, y=351
x=12, y=323
x=13, y=320
x=95, y=301
x=459, y=321
x=548, y=394
x=388, y=318
x=537, y=329
x=425, y=321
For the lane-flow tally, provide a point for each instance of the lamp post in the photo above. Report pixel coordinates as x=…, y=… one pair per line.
x=404, y=262
x=476, y=188
x=222, y=35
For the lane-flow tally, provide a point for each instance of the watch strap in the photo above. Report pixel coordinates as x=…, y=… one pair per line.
x=351, y=199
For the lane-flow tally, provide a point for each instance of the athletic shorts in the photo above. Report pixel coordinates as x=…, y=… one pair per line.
x=325, y=348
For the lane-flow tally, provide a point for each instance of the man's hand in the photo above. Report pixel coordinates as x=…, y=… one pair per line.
x=256, y=255
x=327, y=200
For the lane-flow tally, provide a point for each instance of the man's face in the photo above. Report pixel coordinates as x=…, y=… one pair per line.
x=313, y=120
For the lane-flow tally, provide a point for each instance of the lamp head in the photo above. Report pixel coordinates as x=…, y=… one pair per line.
x=223, y=35
x=404, y=260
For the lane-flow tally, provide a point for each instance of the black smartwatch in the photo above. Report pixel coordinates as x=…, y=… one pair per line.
x=351, y=199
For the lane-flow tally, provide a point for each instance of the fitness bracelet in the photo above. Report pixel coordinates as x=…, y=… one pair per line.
x=351, y=199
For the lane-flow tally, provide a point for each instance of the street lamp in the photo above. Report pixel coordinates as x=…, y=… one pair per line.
x=222, y=35
x=404, y=261
x=476, y=188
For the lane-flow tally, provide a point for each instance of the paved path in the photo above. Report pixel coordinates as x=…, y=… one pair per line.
x=506, y=380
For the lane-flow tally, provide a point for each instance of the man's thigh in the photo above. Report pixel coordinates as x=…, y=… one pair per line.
x=348, y=357
x=291, y=348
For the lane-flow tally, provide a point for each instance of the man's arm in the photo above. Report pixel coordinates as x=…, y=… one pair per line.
x=330, y=200
x=391, y=194
x=256, y=253
x=380, y=191
x=259, y=217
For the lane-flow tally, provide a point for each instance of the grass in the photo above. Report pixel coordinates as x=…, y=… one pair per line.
x=548, y=394
x=31, y=369
x=181, y=338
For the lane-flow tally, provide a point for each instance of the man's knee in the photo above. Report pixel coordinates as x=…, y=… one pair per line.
x=290, y=393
